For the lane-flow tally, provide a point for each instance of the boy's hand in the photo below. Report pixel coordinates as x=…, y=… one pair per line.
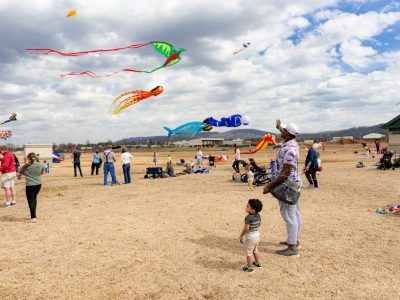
x=241, y=239
x=278, y=124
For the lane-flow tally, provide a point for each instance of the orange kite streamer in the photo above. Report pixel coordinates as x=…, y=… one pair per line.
x=72, y=13
x=263, y=144
x=135, y=98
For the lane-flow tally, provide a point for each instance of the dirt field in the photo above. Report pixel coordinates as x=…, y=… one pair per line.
x=177, y=238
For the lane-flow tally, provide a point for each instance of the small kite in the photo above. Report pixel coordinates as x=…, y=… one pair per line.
x=5, y=134
x=135, y=97
x=72, y=13
x=167, y=50
x=232, y=121
x=245, y=45
x=192, y=128
x=13, y=117
x=263, y=144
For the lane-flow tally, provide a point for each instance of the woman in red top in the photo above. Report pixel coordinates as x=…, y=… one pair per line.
x=8, y=174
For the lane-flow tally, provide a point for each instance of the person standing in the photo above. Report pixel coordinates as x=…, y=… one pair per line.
x=235, y=164
x=109, y=159
x=32, y=171
x=155, y=159
x=76, y=155
x=126, y=165
x=199, y=159
x=8, y=174
x=96, y=162
x=311, y=167
x=378, y=146
x=169, y=159
x=288, y=159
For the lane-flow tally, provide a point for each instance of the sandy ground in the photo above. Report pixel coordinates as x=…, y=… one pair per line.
x=177, y=238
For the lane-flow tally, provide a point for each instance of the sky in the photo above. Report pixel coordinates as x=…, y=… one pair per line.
x=324, y=65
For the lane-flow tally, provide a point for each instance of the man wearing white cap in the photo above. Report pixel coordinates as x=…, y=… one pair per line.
x=288, y=160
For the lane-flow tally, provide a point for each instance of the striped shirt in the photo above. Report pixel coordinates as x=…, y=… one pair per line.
x=289, y=155
x=254, y=222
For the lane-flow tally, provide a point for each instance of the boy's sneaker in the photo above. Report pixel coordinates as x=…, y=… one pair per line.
x=257, y=265
x=13, y=202
x=7, y=204
x=310, y=186
x=247, y=269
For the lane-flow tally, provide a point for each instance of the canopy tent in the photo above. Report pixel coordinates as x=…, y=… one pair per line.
x=373, y=136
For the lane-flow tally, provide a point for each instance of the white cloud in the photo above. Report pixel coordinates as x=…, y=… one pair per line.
x=356, y=55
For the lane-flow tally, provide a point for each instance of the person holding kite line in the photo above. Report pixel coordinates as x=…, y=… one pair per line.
x=235, y=164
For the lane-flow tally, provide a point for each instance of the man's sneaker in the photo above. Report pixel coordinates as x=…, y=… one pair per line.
x=257, y=265
x=286, y=244
x=7, y=204
x=247, y=269
x=315, y=189
x=310, y=186
x=288, y=252
x=13, y=202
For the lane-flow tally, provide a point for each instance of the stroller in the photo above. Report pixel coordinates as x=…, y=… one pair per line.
x=261, y=176
x=386, y=161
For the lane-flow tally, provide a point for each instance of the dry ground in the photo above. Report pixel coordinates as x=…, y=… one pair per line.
x=177, y=238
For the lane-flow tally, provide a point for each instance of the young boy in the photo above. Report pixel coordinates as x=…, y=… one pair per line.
x=250, y=177
x=251, y=230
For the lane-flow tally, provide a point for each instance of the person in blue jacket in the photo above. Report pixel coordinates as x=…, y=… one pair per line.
x=311, y=167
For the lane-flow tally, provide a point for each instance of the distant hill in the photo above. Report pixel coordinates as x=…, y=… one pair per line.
x=254, y=134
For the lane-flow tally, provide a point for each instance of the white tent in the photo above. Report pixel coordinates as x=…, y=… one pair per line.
x=373, y=136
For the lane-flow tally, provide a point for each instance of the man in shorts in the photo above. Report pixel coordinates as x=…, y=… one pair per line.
x=8, y=175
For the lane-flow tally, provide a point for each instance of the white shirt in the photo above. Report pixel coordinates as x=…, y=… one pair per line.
x=199, y=154
x=237, y=154
x=126, y=158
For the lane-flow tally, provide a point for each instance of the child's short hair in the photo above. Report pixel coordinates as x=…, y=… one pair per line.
x=255, y=204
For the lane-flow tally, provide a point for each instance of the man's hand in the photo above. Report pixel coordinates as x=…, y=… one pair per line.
x=267, y=189
x=278, y=124
x=241, y=239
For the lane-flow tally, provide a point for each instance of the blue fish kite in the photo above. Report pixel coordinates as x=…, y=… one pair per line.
x=232, y=121
x=192, y=128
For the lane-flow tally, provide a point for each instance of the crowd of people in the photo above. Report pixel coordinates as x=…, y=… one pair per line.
x=287, y=176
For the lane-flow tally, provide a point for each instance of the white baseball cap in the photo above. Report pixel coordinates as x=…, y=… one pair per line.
x=291, y=128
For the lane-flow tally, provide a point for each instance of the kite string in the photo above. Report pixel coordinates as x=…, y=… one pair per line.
x=48, y=50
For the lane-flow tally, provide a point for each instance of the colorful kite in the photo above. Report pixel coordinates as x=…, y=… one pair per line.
x=72, y=13
x=5, y=134
x=192, y=128
x=165, y=49
x=13, y=117
x=245, y=45
x=232, y=121
x=263, y=144
x=135, y=98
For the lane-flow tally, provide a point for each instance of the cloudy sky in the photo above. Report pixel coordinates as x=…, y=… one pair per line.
x=324, y=65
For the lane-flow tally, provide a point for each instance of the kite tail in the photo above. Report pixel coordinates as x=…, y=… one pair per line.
x=46, y=51
x=170, y=132
x=94, y=75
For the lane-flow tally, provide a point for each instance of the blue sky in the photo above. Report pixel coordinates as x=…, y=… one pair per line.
x=324, y=65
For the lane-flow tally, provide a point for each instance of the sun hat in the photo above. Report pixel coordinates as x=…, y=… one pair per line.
x=291, y=128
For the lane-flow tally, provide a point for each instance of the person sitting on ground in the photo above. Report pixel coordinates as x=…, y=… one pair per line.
x=189, y=169
x=170, y=169
x=250, y=177
x=251, y=227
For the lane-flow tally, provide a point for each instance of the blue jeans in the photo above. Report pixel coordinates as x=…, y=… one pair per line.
x=109, y=167
x=127, y=175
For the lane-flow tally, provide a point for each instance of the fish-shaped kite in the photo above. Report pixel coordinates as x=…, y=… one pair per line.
x=167, y=50
x=72, y=13
x=135, y=97
x=192, y=128
x=231, y=121
x=244, y=46
x=13, y=117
